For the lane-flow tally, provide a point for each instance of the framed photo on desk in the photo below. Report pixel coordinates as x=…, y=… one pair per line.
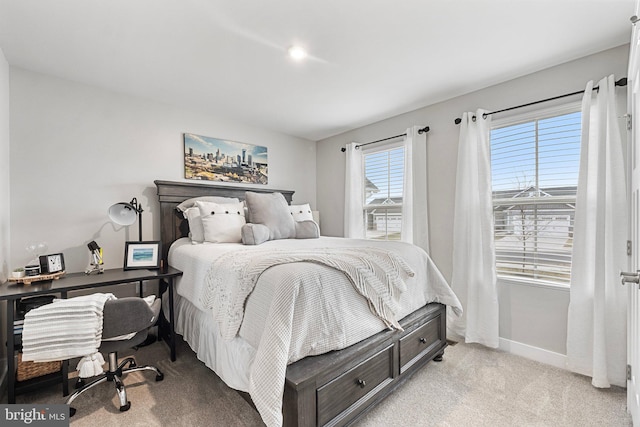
x=138, y=255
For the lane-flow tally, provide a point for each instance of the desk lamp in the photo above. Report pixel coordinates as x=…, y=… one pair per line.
x=124, y=213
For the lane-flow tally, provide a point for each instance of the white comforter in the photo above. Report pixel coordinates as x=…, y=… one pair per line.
x=324, y=311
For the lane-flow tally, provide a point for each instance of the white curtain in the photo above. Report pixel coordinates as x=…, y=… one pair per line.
x=353, y=193
x=596, y=335
x=415, y=221
x=474, y=273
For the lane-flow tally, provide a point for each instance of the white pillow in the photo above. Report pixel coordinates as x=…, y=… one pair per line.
x=190, y=203
x=196, y=229
x=301, y=212
x=192, y=214
x=222, y=223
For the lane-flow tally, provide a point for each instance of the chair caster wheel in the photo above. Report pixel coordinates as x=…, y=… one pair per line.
x=125, y=407
x=160, y=377
x=72, y=412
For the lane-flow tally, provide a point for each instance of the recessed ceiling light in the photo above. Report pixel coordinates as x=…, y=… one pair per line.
x=297, y=53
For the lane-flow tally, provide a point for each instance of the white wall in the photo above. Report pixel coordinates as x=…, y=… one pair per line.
x=77, y=149
x=4, y=188
x=4, y=168
x=528, y=314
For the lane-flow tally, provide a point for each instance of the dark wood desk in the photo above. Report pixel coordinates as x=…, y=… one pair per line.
x=12, y=293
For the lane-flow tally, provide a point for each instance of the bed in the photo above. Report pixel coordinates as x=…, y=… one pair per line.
x=305, y=338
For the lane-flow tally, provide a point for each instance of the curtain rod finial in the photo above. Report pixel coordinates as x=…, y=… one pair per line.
x=458, y=121
x=343, y=149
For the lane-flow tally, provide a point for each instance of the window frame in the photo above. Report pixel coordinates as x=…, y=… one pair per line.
x=535, y=114
x=387, y=146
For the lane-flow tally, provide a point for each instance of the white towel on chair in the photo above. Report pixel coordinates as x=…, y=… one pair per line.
x=64, y=329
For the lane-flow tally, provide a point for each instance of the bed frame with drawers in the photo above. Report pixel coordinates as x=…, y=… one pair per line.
x=335, y=388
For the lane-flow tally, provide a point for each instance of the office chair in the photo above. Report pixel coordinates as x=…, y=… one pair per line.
x=121, y=317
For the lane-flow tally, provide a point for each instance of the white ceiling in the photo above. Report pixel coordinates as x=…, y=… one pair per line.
x=369, y=59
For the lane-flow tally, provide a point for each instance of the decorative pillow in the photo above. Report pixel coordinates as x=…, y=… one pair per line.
x=196, y=229
x=222, y=223
x=307, y=229
x=190, y=203
x=301, y=212
x=254, y=234
x=271, y=210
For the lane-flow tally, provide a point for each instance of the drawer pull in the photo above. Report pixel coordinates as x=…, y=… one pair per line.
x=362, y=383
x=423, y=340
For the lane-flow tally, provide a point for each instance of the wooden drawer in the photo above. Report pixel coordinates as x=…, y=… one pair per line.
x=351, y=389
x=417, y=343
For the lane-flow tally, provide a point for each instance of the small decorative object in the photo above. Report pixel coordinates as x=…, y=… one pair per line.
x=32, y=270
x=35, y=249
x=27, y=280
x=138, y=255
x=95, y=264
x=53, y=263
x=17, y=273
x=213, y=159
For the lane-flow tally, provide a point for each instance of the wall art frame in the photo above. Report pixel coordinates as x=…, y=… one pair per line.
x=221, y=160
x=142, y=255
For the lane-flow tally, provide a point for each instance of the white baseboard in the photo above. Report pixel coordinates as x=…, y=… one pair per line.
x=534, y=353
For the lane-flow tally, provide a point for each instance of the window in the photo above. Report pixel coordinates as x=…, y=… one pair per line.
x=383, y=189
x=534, y=167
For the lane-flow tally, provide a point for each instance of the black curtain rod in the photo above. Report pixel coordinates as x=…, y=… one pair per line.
x=621, y=82
x=420, y=131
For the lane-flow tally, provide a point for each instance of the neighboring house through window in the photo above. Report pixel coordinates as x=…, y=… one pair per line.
x=534, y=166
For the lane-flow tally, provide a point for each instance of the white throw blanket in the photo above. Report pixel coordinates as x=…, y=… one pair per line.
x=375, y=273
x=65, y=329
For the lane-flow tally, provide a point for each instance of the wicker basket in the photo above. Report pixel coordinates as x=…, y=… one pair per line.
x=28, y=370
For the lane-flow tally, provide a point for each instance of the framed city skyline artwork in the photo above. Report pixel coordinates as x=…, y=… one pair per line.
x=213, y=159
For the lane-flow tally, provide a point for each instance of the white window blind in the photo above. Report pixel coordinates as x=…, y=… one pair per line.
x=534, y=167
x=383, y=189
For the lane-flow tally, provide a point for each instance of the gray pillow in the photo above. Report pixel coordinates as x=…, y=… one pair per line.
x=307, y=229
x=271, y=210
x=254, y=234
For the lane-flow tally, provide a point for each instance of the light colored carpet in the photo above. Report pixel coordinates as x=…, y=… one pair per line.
x=473, y=386
x=477, y=386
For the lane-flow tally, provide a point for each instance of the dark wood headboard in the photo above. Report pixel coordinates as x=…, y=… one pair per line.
x=170, y=194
